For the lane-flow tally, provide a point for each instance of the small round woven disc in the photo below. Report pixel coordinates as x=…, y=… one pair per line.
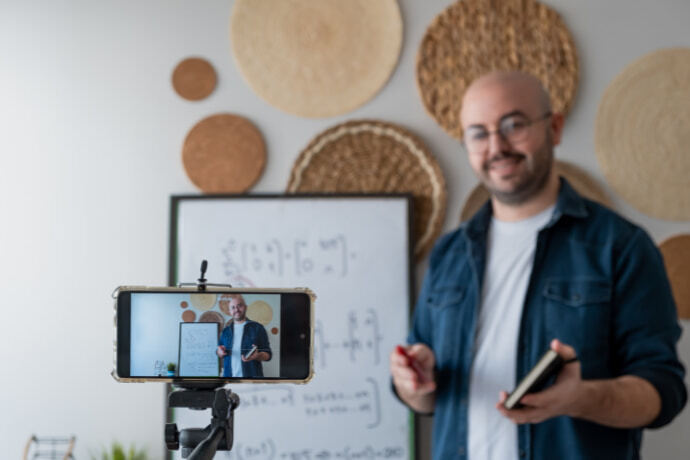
x=224, y=153
x=579, y=179
x=676, y=252
x=367, y=156
x=260, y=312
x=194, y=79
x=316, y=58
x=473, y=37
x=643, y=132
x=188, y=316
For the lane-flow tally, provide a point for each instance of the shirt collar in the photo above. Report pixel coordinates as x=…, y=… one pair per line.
x=568, y=203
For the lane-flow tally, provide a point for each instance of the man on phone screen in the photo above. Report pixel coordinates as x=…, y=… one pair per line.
x=538, y=267
x=243, y=344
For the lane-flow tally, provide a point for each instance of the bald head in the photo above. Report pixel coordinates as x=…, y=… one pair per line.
x=526, y=89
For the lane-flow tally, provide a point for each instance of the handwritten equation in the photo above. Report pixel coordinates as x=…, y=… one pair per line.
x=363, y=339
x=362, y=402
x=329, y=256
x=266, y=450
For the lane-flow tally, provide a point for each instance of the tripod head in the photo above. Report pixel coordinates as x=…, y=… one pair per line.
x=197, y=443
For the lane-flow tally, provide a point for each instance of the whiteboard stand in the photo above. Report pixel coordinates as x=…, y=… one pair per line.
x=198, y=443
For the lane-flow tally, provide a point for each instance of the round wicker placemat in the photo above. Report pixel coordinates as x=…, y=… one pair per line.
x=473, y=37
x=316, y=58
x=367, y=156
x=194, y=79
x=643, y=132
x=676, y=252
x=224, y=154
x=202, y=301
x=578, y=179
x=260, y=311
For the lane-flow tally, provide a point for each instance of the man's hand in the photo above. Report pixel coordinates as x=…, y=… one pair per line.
x=415, y=389
x=221, y=351
x=256, y=356
x=559, y=399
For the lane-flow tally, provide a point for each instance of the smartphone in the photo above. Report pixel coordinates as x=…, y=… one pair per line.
x=177, y=334
x=548, y=366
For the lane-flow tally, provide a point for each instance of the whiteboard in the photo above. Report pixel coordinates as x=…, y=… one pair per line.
x=198, y=343
x=354, y=253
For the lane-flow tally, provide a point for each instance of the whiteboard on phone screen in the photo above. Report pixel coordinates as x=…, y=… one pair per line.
x=197, y=350
x=354, y=253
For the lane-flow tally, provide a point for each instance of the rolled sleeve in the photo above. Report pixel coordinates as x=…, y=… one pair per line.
x=646, y=325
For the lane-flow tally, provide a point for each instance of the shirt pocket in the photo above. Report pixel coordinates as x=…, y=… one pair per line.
x=578, y=313
x=445, y=303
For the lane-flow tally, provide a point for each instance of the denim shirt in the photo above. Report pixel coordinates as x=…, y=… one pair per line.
x=598, y=283
x=254, y=334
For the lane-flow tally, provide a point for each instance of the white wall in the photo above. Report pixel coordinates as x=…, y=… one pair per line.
x=91, y=133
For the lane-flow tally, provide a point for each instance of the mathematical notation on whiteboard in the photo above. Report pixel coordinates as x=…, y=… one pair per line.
x=329, y=256
x=363, y=401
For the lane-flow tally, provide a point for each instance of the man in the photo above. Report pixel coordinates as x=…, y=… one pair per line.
x=537, y=267
x=239, y=338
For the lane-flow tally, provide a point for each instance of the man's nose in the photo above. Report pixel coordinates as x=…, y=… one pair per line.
x=496, y=143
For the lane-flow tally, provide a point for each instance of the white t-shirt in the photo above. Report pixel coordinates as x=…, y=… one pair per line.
x=236, y=352
x=509, y=261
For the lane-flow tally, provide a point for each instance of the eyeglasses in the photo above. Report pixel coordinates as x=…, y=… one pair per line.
x=513, y=128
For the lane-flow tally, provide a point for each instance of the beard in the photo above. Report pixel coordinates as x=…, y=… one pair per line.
x=530, y=182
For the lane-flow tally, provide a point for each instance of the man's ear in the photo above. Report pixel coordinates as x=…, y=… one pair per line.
x=556, y=127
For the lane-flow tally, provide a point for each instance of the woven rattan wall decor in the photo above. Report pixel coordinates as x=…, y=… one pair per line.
x=642, y=134
x=676, y=252
x=376, y=157
x=579, y=179
x=474, y=37
x=316, y=58
x=194, y=79
x=224, y=153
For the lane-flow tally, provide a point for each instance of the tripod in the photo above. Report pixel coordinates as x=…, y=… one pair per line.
x=197, y=443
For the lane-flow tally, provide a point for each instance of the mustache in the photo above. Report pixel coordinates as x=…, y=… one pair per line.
x=503, y=156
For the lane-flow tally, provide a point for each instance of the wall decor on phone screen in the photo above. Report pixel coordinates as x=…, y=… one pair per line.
x=316, y=58
x=473, y=37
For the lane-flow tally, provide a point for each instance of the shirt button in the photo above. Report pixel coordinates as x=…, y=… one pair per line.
x=523, y=454
x=461, y=451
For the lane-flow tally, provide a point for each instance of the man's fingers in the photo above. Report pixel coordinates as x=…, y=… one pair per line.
x=565, y=351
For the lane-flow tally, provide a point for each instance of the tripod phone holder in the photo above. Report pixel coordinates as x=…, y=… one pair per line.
x=202, y=443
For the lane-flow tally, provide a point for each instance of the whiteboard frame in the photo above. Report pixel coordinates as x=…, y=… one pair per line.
x=179, y=345
x=176, y=200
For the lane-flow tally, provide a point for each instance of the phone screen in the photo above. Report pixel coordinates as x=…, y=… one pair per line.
x=210, y=335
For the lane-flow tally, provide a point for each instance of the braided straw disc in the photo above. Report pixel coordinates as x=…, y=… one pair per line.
x=224, y=154
x=676, y=252
x=316, y=58
x=194, y=79
x=643, y=132
x=473, y=37
x=579, y=179
x=368, y=156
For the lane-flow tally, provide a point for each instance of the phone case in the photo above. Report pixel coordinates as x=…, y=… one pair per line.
x=186, y=381
x=548, y=365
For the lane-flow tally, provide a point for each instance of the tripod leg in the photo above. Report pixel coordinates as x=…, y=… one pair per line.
x=206, y=449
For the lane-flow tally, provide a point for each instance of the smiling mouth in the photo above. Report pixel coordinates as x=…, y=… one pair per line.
x=504, y=164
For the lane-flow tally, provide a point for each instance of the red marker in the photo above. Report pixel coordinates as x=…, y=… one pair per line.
x=412, y=363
